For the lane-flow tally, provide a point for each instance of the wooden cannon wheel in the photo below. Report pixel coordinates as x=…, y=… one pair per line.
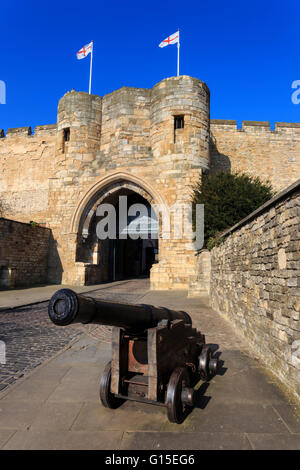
x=108, y=399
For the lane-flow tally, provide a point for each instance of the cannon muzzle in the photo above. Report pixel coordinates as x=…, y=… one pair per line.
x=66, y=307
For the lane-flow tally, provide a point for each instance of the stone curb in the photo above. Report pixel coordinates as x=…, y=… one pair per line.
x=47, y=297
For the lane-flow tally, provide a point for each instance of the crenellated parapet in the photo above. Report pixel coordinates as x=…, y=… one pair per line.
x=165, y=129
x=254, y=126
x=19, y=132
x=48, y=129
x=256, y=149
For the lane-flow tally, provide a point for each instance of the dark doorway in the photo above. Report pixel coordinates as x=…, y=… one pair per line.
x=128, y=257
x=113, y=259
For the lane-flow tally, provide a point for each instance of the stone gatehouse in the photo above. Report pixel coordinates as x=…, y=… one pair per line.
x=151, y=145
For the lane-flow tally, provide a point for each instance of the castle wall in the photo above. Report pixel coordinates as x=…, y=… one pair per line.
x=26, y=164
x=130, y=132
x=255, y=280
x=122, y=133
x=125, y=130
x=256, y=150
x=23, y=254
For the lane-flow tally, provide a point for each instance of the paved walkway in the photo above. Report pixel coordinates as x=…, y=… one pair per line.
x=29, y=335
x=31, y=295
x=57, y=406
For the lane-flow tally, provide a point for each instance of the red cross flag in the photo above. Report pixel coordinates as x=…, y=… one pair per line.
x=173, y=39
x=85, y=51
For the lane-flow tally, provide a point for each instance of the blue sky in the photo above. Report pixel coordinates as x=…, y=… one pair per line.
x=246, y=52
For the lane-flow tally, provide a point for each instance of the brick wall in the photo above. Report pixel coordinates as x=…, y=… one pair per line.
x=23, y=254
x=255, y=282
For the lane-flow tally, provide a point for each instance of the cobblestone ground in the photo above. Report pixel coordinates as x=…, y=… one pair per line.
x=30, y=337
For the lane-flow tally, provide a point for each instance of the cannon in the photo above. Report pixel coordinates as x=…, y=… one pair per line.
x=157, y=355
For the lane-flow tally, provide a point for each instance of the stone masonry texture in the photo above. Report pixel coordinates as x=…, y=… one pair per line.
x=23, y=254
x=255, y=281
x=256, y=150
x=127, y=140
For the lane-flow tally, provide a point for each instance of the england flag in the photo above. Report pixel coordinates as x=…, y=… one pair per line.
x=173, y=39
x=84, y=51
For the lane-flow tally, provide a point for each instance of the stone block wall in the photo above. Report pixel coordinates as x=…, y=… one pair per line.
x=255, y=282
x=130, y=136
x=199, y=282
x=23, y=254
x=26, y=163
x=256, y=150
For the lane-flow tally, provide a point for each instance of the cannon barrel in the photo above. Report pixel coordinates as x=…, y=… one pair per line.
x=66, y=307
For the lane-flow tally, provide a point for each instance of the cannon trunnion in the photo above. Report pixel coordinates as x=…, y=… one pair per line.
x=157, y=356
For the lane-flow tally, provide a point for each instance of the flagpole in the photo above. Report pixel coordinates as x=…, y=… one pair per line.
x=91, y=65
x=178, y=46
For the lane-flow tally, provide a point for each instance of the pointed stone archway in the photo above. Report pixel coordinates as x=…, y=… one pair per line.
x=104, y=187
x=99, y=261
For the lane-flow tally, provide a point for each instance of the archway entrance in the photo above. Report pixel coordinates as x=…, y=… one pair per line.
x=134, y=248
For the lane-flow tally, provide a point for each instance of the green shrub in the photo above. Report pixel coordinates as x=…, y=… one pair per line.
x=227, y=199
x=214, y=241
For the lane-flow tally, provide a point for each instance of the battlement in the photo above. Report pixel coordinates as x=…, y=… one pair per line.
x=170, y=81
x=48, y=129
x=128, y=89
x=126, y=99
x=18, y=131
x=287, y=125
x=253, y=126
x=256, y=149
x=167, y=125
x=224, y=124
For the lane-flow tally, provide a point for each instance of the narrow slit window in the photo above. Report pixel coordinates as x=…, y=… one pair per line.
x=66, y=137
x=178, y=124
x=67, y=134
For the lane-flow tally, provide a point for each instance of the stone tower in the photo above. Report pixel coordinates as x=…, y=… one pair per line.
x=79, y=126
x=179, y=136
x=152, y=143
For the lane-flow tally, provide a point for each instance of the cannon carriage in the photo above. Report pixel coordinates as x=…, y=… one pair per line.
x=157, y=356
